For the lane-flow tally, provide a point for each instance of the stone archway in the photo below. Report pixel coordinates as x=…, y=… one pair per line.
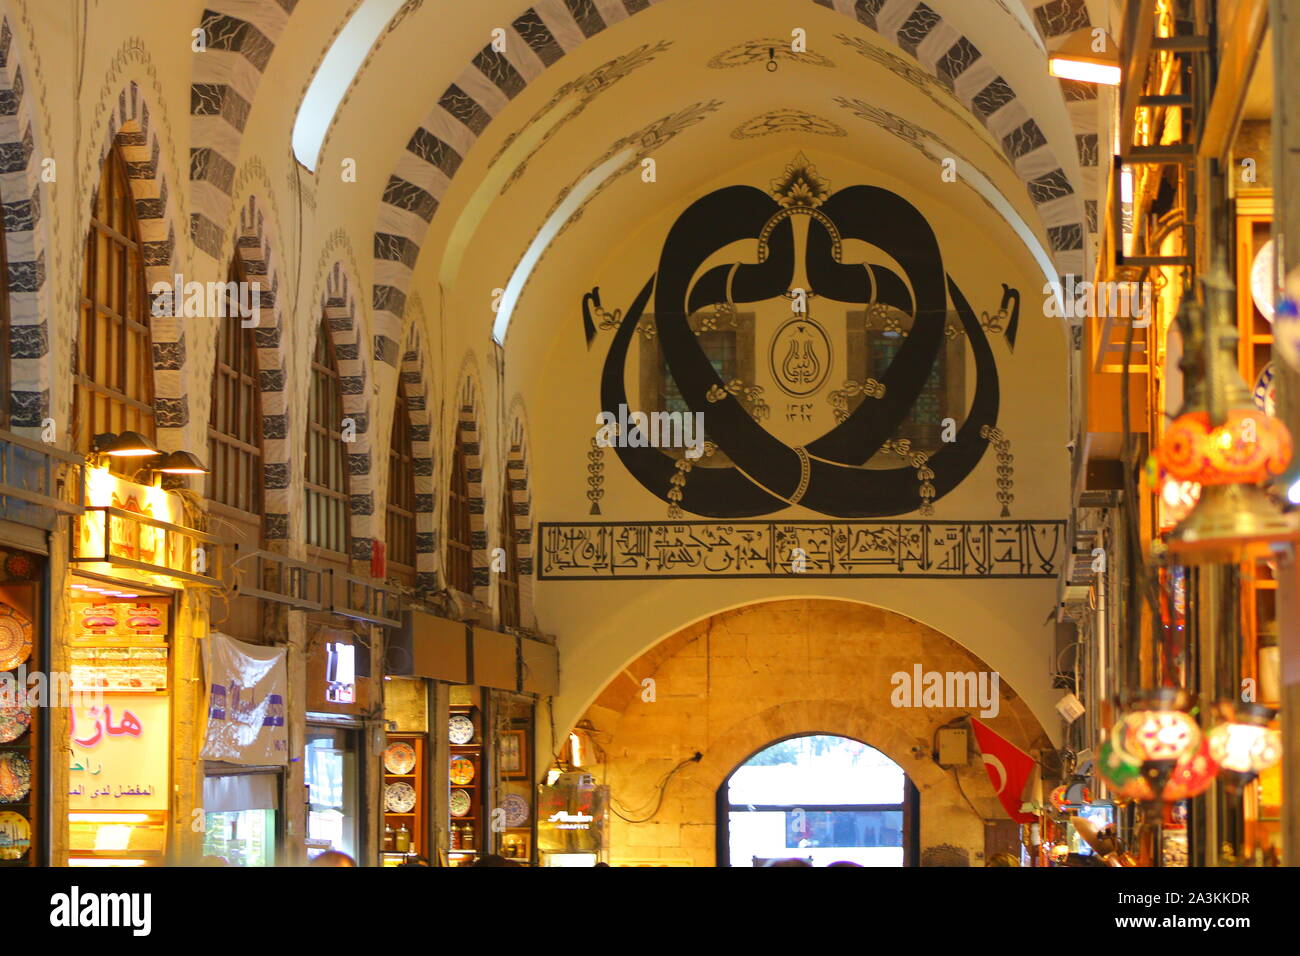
x=729, y=685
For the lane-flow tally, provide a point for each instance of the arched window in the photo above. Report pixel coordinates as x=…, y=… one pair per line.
x=875, y=339
x=235, y=423
x=820, y=798
x=113, y=357
x=326, y=472
x=400, y=525
x=460, y=537
x=508, y=577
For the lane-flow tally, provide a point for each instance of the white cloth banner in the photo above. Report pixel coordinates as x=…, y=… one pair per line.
x=247, y=687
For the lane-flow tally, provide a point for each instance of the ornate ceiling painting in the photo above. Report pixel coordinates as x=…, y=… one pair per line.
x=584, y=89
x=787, y=121
x=763, y=51
x=847, y=453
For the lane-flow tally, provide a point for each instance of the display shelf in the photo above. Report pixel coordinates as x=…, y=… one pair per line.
x=471, y=821
x=414, y=820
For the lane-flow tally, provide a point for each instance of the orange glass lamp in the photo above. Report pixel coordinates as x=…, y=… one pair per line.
x=1245, y=743
x=1222, y=442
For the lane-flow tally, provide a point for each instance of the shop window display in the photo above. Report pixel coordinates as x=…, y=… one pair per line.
x=241, y=837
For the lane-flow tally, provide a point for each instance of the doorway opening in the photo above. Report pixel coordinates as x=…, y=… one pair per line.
x=821, y=798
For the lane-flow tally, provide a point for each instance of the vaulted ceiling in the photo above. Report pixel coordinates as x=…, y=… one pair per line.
x=476, y=128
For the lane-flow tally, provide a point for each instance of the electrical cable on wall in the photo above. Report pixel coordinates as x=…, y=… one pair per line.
x=661, y=786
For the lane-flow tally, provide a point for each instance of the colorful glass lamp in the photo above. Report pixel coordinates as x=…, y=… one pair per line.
x=1223, y=442
x=1156, y=752
x=1244, y=744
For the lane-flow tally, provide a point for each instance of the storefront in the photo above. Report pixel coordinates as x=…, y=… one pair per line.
x=132, y=558
x=30, y=521
x=483, y=688
x=24, y=698
x=408, y=785
x=340, y=692
x=246, y=749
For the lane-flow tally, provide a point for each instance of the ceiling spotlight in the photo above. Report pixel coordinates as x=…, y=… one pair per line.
x=1088, y=55
x=124, y=445
x=180, y=463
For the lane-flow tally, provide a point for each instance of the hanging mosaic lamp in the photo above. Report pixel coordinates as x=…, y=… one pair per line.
x=1244, y=743
x=1059, y=798
x=1222, y=442
x=1192, y=774
x=1121, y=772
x=1156, y=752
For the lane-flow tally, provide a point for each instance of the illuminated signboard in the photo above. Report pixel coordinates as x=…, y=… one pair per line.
x=340, y=673
x=119, y=753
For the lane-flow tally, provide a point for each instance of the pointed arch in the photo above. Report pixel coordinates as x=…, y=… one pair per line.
x=468, y=483
x=343, y=320
x=521, y=510
x=415, y=387
x=21, y=145
x=257, y=252
x=132, y=131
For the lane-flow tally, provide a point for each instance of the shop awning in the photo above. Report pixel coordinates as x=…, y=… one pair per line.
x=441, y=649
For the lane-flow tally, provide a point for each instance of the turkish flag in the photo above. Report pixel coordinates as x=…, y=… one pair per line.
x=1009, y=768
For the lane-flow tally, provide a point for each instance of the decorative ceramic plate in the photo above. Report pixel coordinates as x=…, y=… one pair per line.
x=14, y=722
x=1263, y=280
x=460, y=729
x=15, y=836
x=399, y=758
x=15, y=638
x=516, y=808
x=1266, y=390
x=462, y=771
x=15, y=777
x=461, y=803
x=399, y=798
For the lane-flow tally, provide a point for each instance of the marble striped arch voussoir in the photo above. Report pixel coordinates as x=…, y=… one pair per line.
x=239, y=38
x=343, y=320
x=21, y=151
x=543, y=33
x=259, y=260
x=415, y=389
x=132, y=130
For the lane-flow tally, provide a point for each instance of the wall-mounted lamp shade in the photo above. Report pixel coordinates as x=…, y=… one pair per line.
x=180, y=463
x=1088, y=55
x=124, y=445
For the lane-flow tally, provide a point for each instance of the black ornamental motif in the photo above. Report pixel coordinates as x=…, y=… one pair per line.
x=827, y=475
